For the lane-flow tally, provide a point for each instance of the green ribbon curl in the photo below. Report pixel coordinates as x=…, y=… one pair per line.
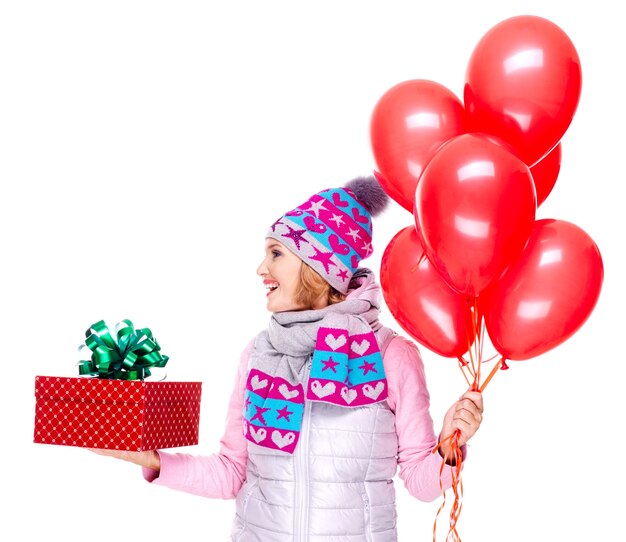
x=129, y=357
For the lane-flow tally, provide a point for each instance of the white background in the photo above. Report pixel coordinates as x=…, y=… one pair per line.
x=145, y=147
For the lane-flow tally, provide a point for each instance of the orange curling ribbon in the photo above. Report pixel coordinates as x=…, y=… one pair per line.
x=457, y=486
x=471, y=370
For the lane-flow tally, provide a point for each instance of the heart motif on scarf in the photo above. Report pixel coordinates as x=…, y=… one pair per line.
x=335, y=342
x=257, y=383
x=348, y=395
x=258, y=434
x=282, y=440
x=322, y=391
x=360, y=348
x=287, y=393
x=372, y=392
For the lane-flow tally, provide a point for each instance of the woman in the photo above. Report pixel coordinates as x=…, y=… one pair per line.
x=332, y=401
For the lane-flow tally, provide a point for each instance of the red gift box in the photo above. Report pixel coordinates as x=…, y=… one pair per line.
x=116, y=414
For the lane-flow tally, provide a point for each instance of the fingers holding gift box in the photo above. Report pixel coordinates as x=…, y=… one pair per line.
x=117, y=410
x=148, y=459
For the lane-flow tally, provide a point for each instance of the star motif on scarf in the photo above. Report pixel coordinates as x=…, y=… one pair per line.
x=323, y=258
x=284, y=413
x=296, y=236
x=330, y=364
x=259, y=415
x=367, y=367
x=248, y=403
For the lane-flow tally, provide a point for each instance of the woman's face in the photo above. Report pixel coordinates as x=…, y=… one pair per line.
x=280, y=270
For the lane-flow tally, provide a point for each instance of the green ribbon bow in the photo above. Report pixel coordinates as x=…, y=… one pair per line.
x=128, y=358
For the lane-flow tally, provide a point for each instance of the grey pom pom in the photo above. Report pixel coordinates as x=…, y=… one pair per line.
x=369, y=193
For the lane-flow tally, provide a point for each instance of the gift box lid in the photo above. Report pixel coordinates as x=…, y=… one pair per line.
x=115, y=391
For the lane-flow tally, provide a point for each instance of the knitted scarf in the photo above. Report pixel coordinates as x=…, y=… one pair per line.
x=346, y=365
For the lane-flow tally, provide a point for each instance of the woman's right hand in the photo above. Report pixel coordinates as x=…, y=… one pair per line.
x=148, y=459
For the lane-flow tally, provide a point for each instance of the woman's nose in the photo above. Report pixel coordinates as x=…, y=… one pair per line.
x=262, y=269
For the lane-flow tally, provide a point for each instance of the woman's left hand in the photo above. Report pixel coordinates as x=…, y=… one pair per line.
x=465, y=416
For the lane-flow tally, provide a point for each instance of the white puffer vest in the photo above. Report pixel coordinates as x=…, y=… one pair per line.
x=336, y=487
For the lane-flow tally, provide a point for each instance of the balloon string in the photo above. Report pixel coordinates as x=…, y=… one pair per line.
x=481, y=325
x=472, y=362
x=475, y=352
x=475, y=344
x=478, y=341
x=462, y=365
x=465, y=366
x=419, y=262
x=490, y=359
x=470, y=365
x=457, y=487
x=498, y=365
x=473, y=367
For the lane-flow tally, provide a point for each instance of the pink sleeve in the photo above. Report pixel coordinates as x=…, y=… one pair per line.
x=219, y=475
x=409, y=399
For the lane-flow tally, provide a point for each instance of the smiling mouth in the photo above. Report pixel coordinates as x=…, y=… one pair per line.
x=271, y=286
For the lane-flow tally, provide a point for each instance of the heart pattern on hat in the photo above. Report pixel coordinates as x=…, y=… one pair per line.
x=338, y=201
x=338, y=246
x=314, y=226
x=358, y=216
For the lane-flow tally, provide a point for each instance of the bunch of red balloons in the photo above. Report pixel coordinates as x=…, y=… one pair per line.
x=473, y=173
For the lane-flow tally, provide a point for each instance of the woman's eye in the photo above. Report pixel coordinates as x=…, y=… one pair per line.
x=275, y=253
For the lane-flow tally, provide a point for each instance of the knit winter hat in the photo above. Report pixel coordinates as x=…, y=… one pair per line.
x=332, y=230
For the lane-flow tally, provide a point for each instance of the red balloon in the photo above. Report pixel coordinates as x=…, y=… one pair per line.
x=474, y=210
x=523, y=84
x=545, y=173
x=420, y=300
x=409, y=123
x=547, y=295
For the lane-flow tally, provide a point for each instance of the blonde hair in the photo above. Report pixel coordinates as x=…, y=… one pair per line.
x=313, y=288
